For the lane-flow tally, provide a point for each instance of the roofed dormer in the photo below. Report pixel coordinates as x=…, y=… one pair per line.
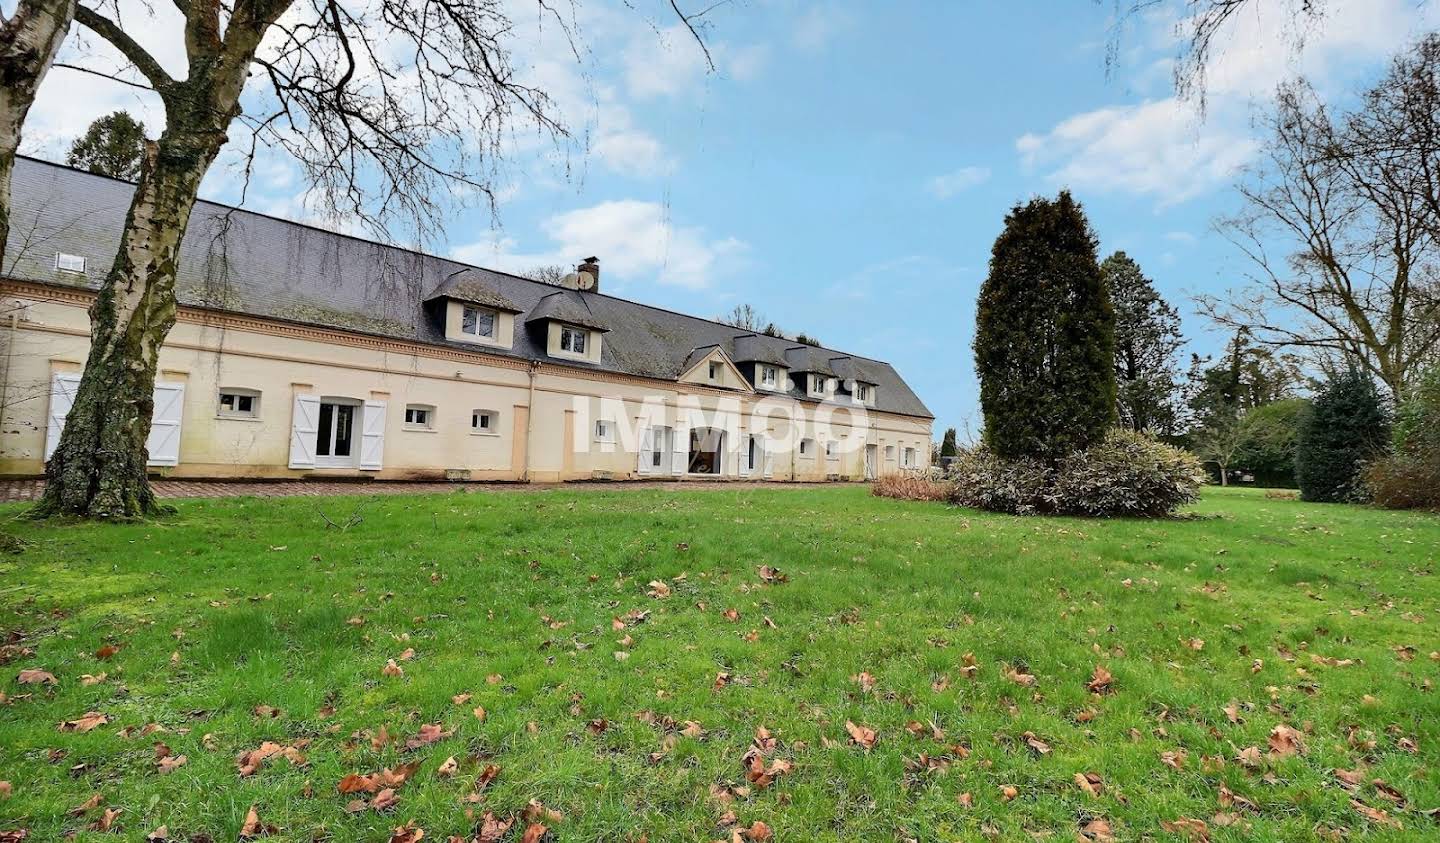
x=709, y=365
x=472, y=310
x=570, y=330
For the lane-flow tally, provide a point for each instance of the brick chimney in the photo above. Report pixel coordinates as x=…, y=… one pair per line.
x=585, y=277
x=591, y=265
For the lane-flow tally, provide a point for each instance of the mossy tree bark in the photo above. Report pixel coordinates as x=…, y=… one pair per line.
x=29, y=40
x=98, y=469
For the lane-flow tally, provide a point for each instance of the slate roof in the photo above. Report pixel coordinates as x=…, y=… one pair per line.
x=470, y=286
x=244, y=262
x=568, y=306
x=757, y=348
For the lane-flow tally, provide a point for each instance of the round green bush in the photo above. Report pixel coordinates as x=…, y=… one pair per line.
x=1125, y=474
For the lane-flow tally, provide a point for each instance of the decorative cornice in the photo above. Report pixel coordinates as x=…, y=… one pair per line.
x=230, y=320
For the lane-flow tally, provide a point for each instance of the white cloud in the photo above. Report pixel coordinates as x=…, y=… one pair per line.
x=1153, y=149
x=633, y=153
x=1163, y=149
x=635, y=239
x=819, y=25
x=663, y=63
x=957, y=181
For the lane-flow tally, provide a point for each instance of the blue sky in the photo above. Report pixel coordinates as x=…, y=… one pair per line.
x=847, y=166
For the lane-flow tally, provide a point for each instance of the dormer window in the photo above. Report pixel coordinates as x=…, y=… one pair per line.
x=862, y=393
x=817, y=385
x=769, y=376
x=572, y=339
x=478, y=322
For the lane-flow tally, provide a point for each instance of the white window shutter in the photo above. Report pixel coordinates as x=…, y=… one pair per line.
x=164, y=442
x=62, y=398
x=304, y=426
x=680, y=450
x=372, y=436
x=767, y=458
x=647, y=447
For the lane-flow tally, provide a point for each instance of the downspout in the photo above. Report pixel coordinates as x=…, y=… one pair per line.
x=529, y=420
x=9, y=353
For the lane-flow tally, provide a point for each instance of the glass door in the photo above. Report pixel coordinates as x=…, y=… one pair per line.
x=335, y=438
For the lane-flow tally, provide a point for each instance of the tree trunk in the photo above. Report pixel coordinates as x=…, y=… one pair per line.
x=29, y=41
x=1224, y=479
x=98, y=469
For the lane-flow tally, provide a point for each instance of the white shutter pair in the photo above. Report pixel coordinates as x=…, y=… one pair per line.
x=305, y=427
x=647, y=448
x=163, y=443
x=680, y=450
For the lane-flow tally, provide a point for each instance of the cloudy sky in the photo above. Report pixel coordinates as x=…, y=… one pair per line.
x=847, y=165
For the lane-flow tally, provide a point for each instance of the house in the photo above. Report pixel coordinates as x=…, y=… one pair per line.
x=299, y=352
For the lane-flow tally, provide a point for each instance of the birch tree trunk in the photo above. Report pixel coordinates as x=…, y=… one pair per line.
x=29, y=41
x=98, y=470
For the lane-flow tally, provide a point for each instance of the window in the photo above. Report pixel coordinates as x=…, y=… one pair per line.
x=485, y=422
x=478, y=322
x=70, y=263
x=817, y=384
x=909, y=458
x=714, y=371
x=769, y=376
x=572, y=340
x=239, y=403
x=604, y=430
x=807, y=447
x=419, y=416
x=831, y=451
x=862, y=393
x=889, y=453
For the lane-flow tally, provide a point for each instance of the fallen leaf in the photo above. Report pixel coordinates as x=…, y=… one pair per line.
x=861, y=735
x=429, y=733
x=1019, y=677
x=169, y=764
x=1008, y=792
x=253, y=827
x=159, y=835
x=658, y=589
x=106, y=820
x=493, y=829
x=1196, y=831
x=534, y=833
x=36, y=676
x=448, y=768
x=90, y=720
x=1285, y=741
x=1090, y=783
x=1099, y=682
x=1375, y=815
x=107, y=652
x=407, y=833
x=392, y=669
x=1174, y=759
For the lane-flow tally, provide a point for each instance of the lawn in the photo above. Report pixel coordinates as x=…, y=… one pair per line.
x=627, y=654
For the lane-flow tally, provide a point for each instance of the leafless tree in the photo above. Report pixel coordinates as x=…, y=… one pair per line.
x=552, y=273
x=1202, y=28
x=743, y=316
x=389, y=106
x=1350, y=198
x=29, y=39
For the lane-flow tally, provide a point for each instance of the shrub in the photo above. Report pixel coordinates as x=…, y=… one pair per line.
x=910, y=487
x=1410, y=478
x=1045, y=335
x=1345, y=428
x=1126, y=473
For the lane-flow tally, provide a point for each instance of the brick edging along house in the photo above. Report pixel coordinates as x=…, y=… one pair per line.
x=299, y=352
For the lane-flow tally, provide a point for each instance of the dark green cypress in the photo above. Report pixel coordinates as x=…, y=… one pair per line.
x=1346, y=427
x=1045, y=335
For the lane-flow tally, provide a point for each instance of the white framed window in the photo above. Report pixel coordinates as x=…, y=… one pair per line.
x=862, y=393
x=909, y=458
x=817, y=385
x=714, y=371
x=236, y=403
x=70, y=263
x=572, y=340
x=485, y=422
x=889, y=453
x=769, y=376
x=478, y=322
x=604, y=430
x=807, y=447
x=419, y=416
x=832, y=450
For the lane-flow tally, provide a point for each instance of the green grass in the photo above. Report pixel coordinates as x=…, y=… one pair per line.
x=254, y=597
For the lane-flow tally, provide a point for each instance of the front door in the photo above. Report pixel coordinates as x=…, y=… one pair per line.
x=705, y=450
x=870, y=451
x=335, y=438
x=658, y=451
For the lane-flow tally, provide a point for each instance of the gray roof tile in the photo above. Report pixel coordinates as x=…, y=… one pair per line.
x=245, y=262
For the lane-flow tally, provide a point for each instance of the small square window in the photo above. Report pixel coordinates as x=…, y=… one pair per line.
x=768, y=376
x=862, y=393
x=572, y=340
x=419, y=416
x=485, y=421
x=604, y=430
x=239, y=403
x=831, y=451
x=478, y=322
x=817, y=384
x=806, y=446
x=70, y=263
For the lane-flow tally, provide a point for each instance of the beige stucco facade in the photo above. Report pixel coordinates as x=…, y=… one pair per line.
x=542, y=415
